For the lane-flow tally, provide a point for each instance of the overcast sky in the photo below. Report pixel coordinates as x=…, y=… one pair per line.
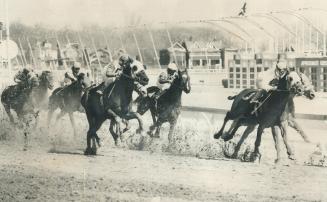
x=73, y=13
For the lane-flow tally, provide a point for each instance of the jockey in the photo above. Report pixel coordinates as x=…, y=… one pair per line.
x=72, y=76
x=25, y=78
x=113, y=70
x=166, y=79
x=268, y=80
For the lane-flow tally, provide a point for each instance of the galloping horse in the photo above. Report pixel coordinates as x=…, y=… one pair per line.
x=168, y=105
x=114, y=104
x=24, y=99
x=308, y=92
x=68, y=99
x=39, y=94
x=273, y=113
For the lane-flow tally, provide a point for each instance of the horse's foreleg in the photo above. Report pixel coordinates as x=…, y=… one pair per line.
x=257, y=155
x=118, y=121
x=135, y=115
x=231, y=132
x=171, y=131
x=60, y=115
x=245, y=135
x=275, y=135
x=72, y=121
x=283, y=128
x=292, y=123
x=158, y=128
x=113, y=132
x=153, y=114
x=220, y=133
x=50, y=113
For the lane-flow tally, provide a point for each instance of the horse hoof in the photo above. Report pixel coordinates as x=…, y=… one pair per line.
x=234, y=156
x=152, y=128
x=277, y=161
x=90, y=151
x=256, y=158
x=307, y=141
x=227, y=138
x=217, y=135
x=139, y=131
x=292, y=157
x=150, y=133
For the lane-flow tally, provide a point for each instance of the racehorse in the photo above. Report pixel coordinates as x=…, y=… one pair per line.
x=24, y=99
x=40, y=92
x=308, y=92
x=68, y=99
x=168, y=105
x=273, y=113
x=114, y=104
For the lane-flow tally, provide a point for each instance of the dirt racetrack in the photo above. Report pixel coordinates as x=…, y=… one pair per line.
x=156, y=171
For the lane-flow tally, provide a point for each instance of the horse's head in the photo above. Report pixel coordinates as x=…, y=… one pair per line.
x=184, y=79
x=137, y=72
x=47, y=79
x=309, y=91
x=83, y=80
x=33, y=81
x=292, y=82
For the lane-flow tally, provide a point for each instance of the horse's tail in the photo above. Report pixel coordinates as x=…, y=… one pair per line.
x=231, y=97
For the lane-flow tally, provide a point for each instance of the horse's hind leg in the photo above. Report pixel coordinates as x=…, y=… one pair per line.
x=92, y=136
x=283, y=128
x=231, y=132
x=171, y=130
x=113, y=132
x=220, y=133
x=135, y=115
x=245, y=135
x=7, y=109
x=274, y=131
x=158, y=128
x=72, y=120
x=257, y=155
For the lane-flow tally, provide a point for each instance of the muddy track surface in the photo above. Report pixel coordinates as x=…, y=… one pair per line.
x=154, y=172
x=126, y=175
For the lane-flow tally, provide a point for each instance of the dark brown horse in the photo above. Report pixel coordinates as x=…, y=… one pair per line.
x=168, y=105
x=114, y=104
x=273, y=113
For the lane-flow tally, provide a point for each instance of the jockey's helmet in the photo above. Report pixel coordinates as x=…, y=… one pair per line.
x=25, y=71
x=172, y=67
x=76, y=65
x=125, y=59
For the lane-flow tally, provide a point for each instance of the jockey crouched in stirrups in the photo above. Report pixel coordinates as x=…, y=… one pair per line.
x=165, y=80
x=25, y=78
x=70, y=77
x=268, y=80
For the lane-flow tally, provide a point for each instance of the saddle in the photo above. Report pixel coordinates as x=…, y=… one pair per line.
x=258, y=100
